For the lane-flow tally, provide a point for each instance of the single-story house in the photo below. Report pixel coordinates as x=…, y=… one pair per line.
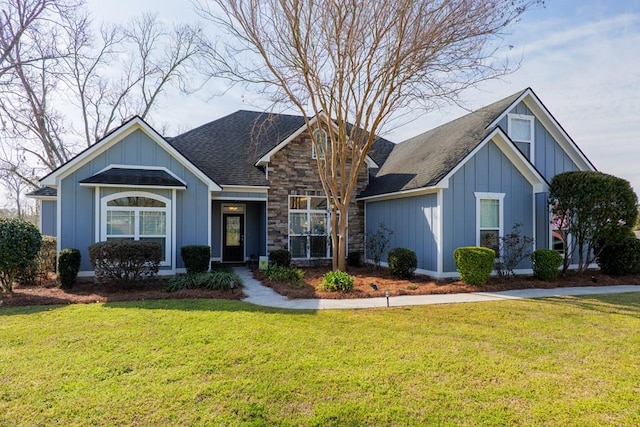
x=247, y=183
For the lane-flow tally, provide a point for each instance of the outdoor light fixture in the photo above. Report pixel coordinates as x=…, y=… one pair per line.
x=386, y=294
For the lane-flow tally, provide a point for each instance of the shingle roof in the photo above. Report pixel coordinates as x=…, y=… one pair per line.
x=142, y=177
x=227, y=149
x=43, y=192
x=424, y=160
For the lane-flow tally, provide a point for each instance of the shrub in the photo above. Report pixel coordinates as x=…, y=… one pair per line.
x=337, y=281
x=621, y=259
x=68, y=267
x=402, y=262
x=474, y=264
x=278, y=273
x=546, y=263
x=28, y=274
x=215, y=281
x=281, y=257
x=513, y=248
x=377, y=243
x=354, y=259
x=46, y=257
x=20, y=242
x=196, y=258
x=125, y=262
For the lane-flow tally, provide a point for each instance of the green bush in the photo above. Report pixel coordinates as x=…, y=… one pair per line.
x=474, y=264
x=196, y=258
x=278, y=273
x=337, y=281
x=46, y=257
x=68, y=267
x=215, y=281
x=125, y=262
x=354, y=259
x=20, y=242
x=281, y=257
x=621, y=259
x=41, y=265
x=546, y=263
x=402, y=262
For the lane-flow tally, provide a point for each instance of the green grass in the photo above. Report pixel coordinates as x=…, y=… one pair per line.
x=564, y=361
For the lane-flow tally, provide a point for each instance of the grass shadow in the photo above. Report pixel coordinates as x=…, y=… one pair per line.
x=627, y=303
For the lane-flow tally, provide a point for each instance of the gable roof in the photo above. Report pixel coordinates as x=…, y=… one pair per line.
x=115, y=136
x=230, y=149
x=424, y=160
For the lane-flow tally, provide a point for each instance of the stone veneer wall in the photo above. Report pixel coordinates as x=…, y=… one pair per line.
x=292, y=171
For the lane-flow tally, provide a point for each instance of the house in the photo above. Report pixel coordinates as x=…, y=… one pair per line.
x=247, y=184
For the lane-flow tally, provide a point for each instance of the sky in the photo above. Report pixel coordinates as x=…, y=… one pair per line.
x=582, y=59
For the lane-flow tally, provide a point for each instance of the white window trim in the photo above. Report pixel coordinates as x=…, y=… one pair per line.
x=324, y=143
x=309, y=211
x=167, y=209
x=490, y=196
x=531, y=120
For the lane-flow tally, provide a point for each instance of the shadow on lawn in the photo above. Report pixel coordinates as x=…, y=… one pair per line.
x=627, y=304
x=186, y=304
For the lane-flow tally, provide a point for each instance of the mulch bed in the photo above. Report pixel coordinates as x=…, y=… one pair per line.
x=47, y=293
x=423, y=285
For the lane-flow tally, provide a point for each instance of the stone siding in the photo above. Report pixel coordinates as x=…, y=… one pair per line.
x=292, y=171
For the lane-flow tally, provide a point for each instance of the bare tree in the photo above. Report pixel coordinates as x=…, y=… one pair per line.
x=65, y=86
x=358, y=62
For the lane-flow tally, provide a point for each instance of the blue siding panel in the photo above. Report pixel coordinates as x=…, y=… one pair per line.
x=498, y=175
x=136, y=149
x=413, y=222
x=48, y=215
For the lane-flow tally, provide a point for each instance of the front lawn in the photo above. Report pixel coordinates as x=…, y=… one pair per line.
x=560, y=361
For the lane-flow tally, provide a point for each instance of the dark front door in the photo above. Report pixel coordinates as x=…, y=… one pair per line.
x=233, y=238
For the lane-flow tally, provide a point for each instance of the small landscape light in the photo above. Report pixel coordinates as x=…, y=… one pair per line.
x=386, y=294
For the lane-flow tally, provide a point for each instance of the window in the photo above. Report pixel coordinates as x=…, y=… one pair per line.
x=560, y=237
x=521, y=128
x=137, y=217
x=320, y=136
x=489, y=220
x=308, y=227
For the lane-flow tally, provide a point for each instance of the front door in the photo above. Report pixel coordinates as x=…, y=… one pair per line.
x=233, y=238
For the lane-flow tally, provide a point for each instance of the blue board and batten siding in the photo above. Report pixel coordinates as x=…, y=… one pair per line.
x=78, y=210
x=488, y=171
x=48, y=218
x=413, y=221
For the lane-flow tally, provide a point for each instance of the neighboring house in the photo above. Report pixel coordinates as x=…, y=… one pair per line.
x=247, y=184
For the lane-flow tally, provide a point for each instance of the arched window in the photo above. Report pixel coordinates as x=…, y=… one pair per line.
x=138, y=216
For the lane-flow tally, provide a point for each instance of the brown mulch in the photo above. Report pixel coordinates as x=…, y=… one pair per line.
x=48, y=293
x=423, y=285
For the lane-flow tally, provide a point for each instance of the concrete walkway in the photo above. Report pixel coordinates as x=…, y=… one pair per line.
x=265, y=296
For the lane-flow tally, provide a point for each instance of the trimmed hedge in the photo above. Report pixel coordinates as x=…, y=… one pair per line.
x=196, y=258
x=68, y=267
x=337, y=281
x=621, y=259
x=546, y=263
x=474, y=264
x=281, y=257
x=402, y=262
x=41, y=265
x=20, y=242
x=125, y=262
